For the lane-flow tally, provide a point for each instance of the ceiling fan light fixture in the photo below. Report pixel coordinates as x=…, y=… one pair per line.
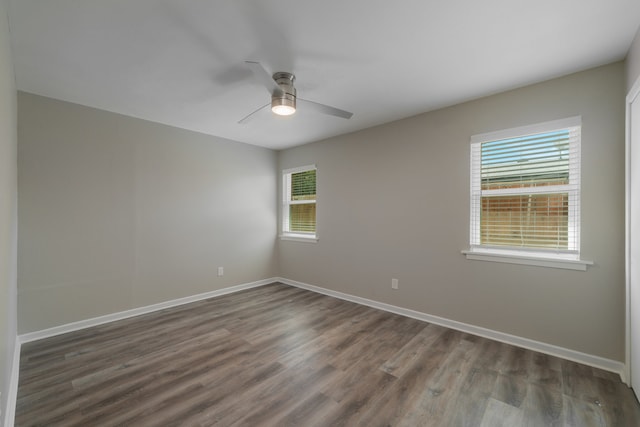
x=283, y=106
x=283, y=102
x=283, y=95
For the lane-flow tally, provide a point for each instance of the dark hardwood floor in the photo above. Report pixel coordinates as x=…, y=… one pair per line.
x=283, y=356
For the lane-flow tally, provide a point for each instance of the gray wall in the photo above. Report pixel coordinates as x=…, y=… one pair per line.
x=393, y=201
x=8, y=209
x=117, y=213
x=633, y=62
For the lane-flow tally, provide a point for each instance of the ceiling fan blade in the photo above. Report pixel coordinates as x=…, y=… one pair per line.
x=248, y=117
x=324, y=109
x=265, y=78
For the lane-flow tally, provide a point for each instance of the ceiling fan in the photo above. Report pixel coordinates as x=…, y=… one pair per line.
x=284, y=99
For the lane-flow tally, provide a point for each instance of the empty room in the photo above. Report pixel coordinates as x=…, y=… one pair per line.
x=276, y=213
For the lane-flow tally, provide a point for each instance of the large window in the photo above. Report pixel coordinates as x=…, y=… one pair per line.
x=525, y=191
x=299, y=203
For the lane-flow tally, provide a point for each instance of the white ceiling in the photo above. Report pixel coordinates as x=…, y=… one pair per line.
x=181, y=62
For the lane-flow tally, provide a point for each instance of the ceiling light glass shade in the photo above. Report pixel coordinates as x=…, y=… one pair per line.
x=283, y=106
x=283, y=110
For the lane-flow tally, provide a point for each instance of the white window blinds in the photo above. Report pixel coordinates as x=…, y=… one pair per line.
x=299, y=201
x=525, y=188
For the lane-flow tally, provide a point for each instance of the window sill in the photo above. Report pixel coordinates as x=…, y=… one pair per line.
x=299, y=238
x=539, y=261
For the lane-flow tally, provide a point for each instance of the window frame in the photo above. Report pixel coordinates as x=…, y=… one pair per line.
x=286, y=234
x=554, y=258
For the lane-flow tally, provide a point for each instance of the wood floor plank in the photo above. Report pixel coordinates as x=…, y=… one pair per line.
x=474, y=397
x=500, y=414
x=393, y=406
x=579, y=413
x=397, y=364
x=327, y=343
x=376, y=344
x=313, y=411
x=129, y=395
x=510, y=390
x=399, y=400
x=283, y=356
x=360, y=399
x=290, y=394
x=543, y=406
x=546, y=370
x=436, y=404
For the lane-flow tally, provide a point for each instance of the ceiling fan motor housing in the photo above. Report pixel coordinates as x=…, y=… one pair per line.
x=287, y=98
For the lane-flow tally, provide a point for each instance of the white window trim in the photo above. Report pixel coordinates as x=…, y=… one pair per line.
x=478, y=254
x=292, y=237
x=542, y=258
x=296, y=236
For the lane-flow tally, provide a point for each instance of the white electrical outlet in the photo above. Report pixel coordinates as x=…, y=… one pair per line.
x=220, y=271
x=394, y=283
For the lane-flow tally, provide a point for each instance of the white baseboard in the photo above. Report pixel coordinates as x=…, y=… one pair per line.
x=12, y=397
x=82, y=324
x=553, y=350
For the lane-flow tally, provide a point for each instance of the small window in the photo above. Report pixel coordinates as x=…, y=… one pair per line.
x=299, y=203
x=525, y=191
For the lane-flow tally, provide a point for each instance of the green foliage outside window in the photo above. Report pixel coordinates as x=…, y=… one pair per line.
x=303, y=185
